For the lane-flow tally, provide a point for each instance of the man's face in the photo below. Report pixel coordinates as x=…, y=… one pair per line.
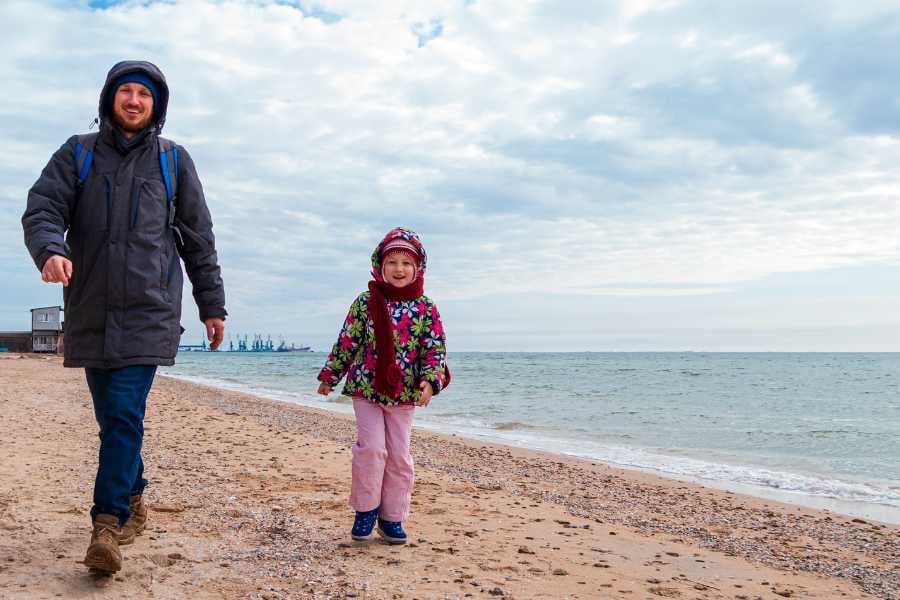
x=133, y=107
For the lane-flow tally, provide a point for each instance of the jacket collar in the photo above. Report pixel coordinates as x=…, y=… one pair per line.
x=113, y=135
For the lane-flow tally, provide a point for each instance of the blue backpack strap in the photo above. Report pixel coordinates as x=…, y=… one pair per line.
x=84, y=156
x=168, y=164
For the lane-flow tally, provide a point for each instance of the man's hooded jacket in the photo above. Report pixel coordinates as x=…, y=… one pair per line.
x=123, y=302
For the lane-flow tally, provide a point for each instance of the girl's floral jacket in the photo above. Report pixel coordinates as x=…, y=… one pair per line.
x=419, y=343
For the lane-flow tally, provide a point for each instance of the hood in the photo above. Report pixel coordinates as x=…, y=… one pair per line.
x=136, y=66
x=408, y=235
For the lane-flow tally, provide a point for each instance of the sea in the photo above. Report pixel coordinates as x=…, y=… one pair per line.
x=816, y=429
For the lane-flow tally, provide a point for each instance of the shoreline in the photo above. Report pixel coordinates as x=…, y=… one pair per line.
x=248, y=499
x=643, y=482
x=883, y=513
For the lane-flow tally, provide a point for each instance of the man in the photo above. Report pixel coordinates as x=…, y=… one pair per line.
x=104, y=220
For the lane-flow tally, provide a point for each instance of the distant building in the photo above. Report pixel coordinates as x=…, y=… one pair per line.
x=15, y=341
x=46, y=333
x=47, y=329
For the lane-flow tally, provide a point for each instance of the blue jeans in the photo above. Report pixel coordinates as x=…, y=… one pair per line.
x=120, y=399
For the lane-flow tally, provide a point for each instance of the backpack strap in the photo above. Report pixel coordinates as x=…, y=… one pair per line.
x=84, y=156
x=168, y=164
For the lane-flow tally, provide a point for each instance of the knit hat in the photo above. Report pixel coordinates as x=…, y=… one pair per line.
x=135, y=77
x=401, y=245
x=396, y=239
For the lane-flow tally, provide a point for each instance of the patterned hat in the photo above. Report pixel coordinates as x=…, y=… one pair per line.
x=401, y=245
x=403, y=240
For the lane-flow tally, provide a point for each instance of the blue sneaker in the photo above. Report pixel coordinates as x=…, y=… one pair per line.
x=391, y=531
x=363, y=524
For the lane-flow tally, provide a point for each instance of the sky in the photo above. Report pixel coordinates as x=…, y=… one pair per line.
x=627, y=175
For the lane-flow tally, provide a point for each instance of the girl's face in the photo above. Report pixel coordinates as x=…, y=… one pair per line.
x=398, y=269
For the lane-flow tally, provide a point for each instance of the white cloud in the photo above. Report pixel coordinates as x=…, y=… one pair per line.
x=775, y=56
x=639, y=151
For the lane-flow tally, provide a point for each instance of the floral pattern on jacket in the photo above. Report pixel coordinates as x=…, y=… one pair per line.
x=419, y=349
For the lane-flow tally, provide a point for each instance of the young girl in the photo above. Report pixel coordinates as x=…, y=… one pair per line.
x=385, y=386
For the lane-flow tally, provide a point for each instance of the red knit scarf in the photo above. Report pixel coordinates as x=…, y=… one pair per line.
x=388, y=377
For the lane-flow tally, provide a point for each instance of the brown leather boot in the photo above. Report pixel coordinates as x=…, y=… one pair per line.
x=103, y=554
x=136, y=522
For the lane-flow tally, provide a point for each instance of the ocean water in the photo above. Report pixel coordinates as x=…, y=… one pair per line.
x=820, y=430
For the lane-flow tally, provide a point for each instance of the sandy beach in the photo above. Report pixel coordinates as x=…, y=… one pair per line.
x=248, y=499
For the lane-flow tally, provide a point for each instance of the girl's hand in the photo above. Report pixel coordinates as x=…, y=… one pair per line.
x=324, y=389
x=425, y=396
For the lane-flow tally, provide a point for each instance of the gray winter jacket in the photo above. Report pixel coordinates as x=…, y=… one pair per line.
x=123, y=302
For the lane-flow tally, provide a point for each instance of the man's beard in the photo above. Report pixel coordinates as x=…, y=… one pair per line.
x=131, y=129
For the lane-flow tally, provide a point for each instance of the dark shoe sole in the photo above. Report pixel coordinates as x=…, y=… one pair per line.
x=391, y=540
x=105, y=562
x=362, y=538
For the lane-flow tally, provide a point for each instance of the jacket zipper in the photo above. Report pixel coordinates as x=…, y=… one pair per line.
x=108, y=202
x=136, y=204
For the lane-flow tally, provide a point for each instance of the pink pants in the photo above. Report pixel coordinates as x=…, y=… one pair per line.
x=382, y=465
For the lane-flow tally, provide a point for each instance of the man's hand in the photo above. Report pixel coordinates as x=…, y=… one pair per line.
x=427, y=392
x=57, y=269
x=215, y=332
x=324, y=389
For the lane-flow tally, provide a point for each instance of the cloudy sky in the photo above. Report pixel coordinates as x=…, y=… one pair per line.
x=632, y=175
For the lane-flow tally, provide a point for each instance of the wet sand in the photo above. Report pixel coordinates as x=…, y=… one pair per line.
x=248, y=500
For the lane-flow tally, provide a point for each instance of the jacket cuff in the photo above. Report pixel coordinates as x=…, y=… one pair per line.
x=213, y=312
x=46, y=253
x=327, y=376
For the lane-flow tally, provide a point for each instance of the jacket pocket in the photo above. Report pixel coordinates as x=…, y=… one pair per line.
x=191, y=241
x=91, y=211
x=136, y=204
x=144, y=263
x=164, y=271
x=148, y=207
x=169, y=265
